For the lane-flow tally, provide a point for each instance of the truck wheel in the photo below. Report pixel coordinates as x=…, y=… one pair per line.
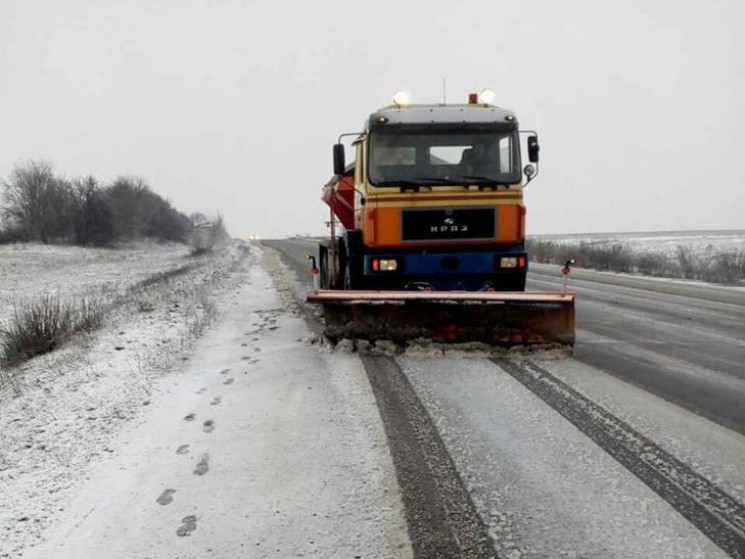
x=323, y=266
x=348, y=283
x=337, y=281
x=351, y=275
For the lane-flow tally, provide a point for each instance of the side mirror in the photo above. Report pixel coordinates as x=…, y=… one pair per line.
x=533, y=149
x=339, y=159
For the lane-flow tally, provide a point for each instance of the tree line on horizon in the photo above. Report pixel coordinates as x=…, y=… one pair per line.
x=40, y=206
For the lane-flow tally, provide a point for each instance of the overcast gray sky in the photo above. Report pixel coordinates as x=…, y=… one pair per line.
x=233, y=105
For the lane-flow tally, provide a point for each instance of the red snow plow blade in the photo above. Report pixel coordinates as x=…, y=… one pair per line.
x=495, y=318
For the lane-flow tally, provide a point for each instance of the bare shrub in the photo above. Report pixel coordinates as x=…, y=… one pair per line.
x=726, y=267
x=207, y=234
x=615, y=257
x=40, y=325
x=654, y=264
x=550, y=252
x=88, y=315
x=686, y=261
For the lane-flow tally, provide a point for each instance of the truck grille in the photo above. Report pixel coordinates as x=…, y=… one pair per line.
x=432, y=225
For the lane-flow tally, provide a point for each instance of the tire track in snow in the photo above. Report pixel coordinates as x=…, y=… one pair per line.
x=714, y=512
x=442, y=519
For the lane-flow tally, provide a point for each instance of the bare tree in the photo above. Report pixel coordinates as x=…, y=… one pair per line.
x=93, y=218
x=36, y=202
x=126, y=199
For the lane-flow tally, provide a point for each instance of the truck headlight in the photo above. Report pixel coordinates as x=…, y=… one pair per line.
x=384, y=265
x=509, y=262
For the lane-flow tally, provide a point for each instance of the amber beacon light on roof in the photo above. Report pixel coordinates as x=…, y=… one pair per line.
x=428, y=230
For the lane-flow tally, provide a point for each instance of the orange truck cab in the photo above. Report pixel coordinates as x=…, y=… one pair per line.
x=432, y=201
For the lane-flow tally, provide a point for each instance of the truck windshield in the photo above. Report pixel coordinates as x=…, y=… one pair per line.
x=446, y=157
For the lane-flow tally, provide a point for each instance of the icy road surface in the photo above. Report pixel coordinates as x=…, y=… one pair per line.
x=685, y=343
x=261, y=447
x=559, y=458
x=543, y=487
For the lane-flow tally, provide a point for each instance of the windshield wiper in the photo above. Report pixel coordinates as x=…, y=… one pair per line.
x=426, y=182
x=487, y=181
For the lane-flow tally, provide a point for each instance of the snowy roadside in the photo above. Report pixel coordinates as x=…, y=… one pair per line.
x=257, y=445
x=59, y=412
x=655, y=283
x=29, y=270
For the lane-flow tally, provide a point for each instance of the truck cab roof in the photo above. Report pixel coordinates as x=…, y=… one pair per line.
x=442, y=114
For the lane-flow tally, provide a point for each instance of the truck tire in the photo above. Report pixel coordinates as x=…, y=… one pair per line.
x=352, y=279
x=353, y=261
x=341, y=264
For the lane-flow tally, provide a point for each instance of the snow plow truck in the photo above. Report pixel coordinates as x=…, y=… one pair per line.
x=428, y=231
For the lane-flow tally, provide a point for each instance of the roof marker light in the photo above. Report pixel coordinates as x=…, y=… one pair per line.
x=401, y=98
x=487, y=96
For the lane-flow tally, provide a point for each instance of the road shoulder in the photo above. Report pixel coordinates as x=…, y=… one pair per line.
x=259, y=442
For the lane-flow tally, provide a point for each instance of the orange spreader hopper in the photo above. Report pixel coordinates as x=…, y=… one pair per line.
x=494, y=318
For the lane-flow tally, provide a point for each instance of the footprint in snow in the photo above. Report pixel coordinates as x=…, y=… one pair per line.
x=203, y=466
x=183, y=449
x=208, y=426
x=202, y=390
x=188, y=525
x=166, y=498
x=224, y=371
x=190, y=416
x=229, y=381
x=216, y=400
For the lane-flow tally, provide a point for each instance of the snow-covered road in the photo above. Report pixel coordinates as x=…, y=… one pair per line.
x=546, y=489
x=558, y=458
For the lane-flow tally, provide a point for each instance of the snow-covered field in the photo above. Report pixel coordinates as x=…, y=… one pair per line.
x=59, y=411
x=30, y=270
x=709, y=256
x=665, y=243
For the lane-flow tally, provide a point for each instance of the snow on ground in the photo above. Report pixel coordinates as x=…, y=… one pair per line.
x=59, y=411
x=251, y=443
x=30, y=270
x=666, y=243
